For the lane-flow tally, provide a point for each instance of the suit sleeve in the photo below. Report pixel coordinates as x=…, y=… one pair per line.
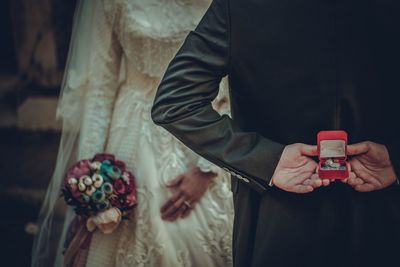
x=183, y=104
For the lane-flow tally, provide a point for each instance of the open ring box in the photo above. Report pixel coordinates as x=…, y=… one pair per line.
x=332, y=154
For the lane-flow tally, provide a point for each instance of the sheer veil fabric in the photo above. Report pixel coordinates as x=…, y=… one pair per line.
x=54, y=216
x=118, y=52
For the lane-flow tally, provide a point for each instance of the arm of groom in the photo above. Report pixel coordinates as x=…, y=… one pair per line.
x=183, y=105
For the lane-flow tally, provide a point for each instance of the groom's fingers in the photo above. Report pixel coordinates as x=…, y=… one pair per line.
x=326, y=182
x=352, y=175
x=367, y=177
x=314, y=181
x=299, y=177
x=366, y=187
x=302, y=189
x=308, y=150
x=307, y=182
x=353, y=180
x=356, y=149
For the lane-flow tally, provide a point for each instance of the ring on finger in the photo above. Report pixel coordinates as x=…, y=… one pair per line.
x=187, y=204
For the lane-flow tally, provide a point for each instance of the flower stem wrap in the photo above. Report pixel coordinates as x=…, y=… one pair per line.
x=77, y=245
x=106, y=221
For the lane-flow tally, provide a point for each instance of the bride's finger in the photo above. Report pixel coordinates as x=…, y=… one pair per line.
x=171, y=201
x=173, y=208
x=178, y=213
x=187, y=207
x=187, y=211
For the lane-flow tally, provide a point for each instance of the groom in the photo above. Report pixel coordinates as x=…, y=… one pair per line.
x=295, y=68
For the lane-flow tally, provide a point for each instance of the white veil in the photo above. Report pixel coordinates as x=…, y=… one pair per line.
x=54, y=216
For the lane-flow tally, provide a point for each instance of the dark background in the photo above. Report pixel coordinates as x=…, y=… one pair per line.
x=33, y=50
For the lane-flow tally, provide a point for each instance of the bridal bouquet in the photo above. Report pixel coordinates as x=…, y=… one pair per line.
x=101, y=191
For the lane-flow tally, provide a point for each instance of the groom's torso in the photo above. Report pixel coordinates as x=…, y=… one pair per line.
x=298, y=67
x=310, y=65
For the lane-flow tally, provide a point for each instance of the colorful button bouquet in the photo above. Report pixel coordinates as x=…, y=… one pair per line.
x=101, y=191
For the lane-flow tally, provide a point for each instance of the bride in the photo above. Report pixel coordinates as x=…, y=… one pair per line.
x=119, y=51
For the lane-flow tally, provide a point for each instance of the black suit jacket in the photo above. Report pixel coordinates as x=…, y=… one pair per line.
x=295, y=68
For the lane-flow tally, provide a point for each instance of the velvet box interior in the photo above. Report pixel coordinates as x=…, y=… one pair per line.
x=332, y=155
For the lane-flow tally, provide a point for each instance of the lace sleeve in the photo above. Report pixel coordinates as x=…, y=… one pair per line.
x=101, y=87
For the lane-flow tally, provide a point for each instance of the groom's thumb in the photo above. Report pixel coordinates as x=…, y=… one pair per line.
x=308, y=150
x=358, y=148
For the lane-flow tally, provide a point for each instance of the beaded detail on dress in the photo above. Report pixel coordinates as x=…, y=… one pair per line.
x=152, y=30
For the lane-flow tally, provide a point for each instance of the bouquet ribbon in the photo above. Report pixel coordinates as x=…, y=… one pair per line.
x=101, y=191
x=106, y=221
x=81, y=232
x=77, y=243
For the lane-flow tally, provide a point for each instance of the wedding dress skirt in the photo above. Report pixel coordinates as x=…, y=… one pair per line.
x=155, y=157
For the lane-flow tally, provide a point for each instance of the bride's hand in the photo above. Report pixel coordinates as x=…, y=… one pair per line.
x=189, y=188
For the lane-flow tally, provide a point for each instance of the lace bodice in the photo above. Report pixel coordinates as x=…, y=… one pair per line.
x=151, y=31
x=132, y=51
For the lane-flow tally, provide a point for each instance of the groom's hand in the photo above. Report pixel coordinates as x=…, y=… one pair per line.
x=371, y=165
x=296, y=170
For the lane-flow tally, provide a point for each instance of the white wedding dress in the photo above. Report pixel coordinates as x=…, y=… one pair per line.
x=134, y=41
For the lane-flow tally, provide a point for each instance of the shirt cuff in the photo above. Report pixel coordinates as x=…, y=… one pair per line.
x=206, y=166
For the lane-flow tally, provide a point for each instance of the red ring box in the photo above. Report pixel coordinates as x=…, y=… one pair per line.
x=332, y=147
